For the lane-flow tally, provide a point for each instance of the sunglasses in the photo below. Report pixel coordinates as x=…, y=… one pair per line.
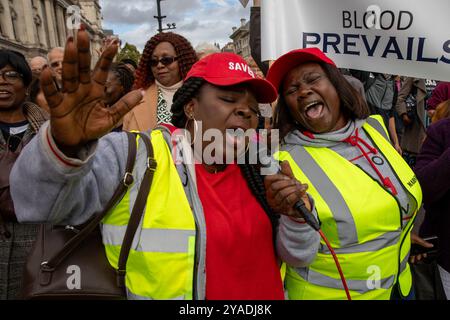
x=164, y=60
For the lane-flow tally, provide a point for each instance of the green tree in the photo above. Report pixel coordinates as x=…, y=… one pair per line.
x=129, y=51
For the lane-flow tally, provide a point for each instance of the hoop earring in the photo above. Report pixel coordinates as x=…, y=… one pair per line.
x=195, y=128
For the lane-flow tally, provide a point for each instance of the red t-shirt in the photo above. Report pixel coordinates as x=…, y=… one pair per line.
x=240, y=258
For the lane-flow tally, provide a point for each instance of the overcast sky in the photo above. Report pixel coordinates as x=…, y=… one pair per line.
x=197, y=20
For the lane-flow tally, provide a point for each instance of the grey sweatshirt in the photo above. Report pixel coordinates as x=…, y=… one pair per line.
x=54, y=188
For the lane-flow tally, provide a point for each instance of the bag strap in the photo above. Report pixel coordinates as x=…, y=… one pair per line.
x=74, y=242
x=369, y=83
x=138, y=210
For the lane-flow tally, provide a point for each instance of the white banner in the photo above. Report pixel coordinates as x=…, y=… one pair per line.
x=402, y=37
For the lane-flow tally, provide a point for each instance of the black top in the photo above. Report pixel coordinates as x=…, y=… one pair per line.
x=13, y=133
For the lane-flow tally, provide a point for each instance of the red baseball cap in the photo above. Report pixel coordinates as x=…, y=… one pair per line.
x=227, y=69
x=292, y=59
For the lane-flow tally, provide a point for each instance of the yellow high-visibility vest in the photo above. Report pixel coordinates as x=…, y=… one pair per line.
x=161, y=261
x=361, y=219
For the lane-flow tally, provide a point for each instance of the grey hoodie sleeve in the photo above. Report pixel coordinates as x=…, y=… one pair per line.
x=46, y=186
x=297, y=243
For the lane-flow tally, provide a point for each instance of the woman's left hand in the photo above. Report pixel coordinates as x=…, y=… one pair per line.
x=283, y=190
x=415, y=239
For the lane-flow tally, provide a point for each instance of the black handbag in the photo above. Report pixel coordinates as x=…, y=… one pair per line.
x=70, y=262
x=427, y=281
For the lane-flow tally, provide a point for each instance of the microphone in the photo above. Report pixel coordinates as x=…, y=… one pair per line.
x=270, y=167
x=307, y=215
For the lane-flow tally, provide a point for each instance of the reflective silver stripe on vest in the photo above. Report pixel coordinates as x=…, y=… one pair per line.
x=404, y=263
x=132, y=296
x=386, y=240
x=138, y=173
x=151, y=240
x=374, y=123
x=361, y=286
x=330, y=194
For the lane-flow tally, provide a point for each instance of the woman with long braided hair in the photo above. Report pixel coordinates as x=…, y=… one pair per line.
x=164, y=64
x=206, y=232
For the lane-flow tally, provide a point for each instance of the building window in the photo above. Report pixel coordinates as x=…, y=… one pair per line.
x=38, y=23
x=2, y=19
x=14, y=22
x=55, y=20
x=60, y=26
x=45, y=24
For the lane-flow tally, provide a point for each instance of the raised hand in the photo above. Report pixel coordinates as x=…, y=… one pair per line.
x=77, y=112
x=105, y=43
x=283, y=190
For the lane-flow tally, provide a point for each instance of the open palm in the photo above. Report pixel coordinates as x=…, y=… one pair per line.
x=77, y=112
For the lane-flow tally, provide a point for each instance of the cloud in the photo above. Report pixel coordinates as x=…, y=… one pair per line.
x=190, y=26
x=219, y=2
x=134, y=13
x=136, y=36
x=180, y=7
x=197, y=20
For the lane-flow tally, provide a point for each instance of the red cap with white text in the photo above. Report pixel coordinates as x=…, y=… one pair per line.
x=228, y=69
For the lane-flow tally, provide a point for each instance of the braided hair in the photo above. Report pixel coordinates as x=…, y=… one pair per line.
x=182, y=96
x=183, y=48
x=124, y=75
x=255, y=182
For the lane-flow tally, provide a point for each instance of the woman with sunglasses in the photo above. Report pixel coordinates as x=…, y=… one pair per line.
x=164, y=64
x=19, y=122
x=207, y=231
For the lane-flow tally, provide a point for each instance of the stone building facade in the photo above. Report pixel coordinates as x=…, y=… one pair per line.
x=241, y=39
x=229, y=47
x=241, y=45
x=32, y=27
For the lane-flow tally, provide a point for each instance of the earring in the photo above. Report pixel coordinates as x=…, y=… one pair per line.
x=191, y=117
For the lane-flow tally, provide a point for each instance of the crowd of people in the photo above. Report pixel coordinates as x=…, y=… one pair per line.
x=364, y=152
